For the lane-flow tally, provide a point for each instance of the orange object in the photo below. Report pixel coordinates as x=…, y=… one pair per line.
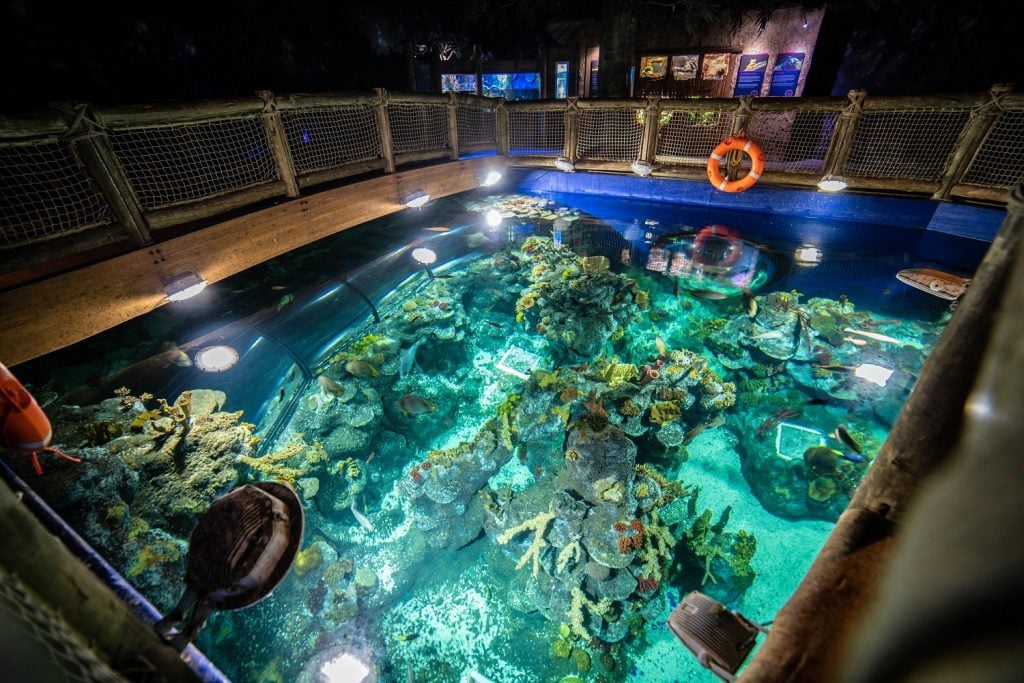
x=717, y=246
x=742, y=145
x=24, y=427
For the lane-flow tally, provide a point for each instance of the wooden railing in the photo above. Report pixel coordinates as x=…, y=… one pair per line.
x=80, y=176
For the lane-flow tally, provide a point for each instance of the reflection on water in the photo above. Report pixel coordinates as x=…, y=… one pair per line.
x=552, y=434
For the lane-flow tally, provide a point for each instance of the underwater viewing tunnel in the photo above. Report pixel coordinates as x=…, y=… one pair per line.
x=390, y=387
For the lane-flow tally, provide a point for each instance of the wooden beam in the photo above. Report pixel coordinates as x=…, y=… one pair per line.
x=57, y=312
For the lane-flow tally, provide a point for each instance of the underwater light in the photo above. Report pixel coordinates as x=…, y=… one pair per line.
x=216, y=358
x=493, y=218
x=346, y=668
x=807, y=255
x=491, y=178
x=416, y=199
x=832, y=183
x=565, y=164
x=425, y=257
x=184, y=286
x=873, y=373
x=642, y=168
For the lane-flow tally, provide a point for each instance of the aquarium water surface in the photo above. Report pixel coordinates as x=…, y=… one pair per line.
x=517, y=451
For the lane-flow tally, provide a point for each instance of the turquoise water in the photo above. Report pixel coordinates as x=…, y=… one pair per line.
x=571, y=420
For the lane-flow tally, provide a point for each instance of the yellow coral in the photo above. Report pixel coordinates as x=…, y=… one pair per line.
x=579, y=602
x=570, y=553
x=273, y=466
x=664, y=412
x=538, y=525
x=616, y=374
x=657, y=548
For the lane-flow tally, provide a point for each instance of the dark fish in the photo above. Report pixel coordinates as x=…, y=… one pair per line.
x=853, y=457
x=819, y=401
x=280, y=396
x=405, y=637
x=277, y=288
x=708, y=294
x=360, y=368
x=443, y=276
x=750, y=303
x=328, y=385
x=412, y=405
x=844, y=436
x=494, y=324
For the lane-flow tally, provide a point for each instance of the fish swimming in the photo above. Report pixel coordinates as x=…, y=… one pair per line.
x=843, y=436
x=328, y=385
x=855, y=342
x=937, y=283
x=409, y=358
x=411, y=405
x=708, y=294
x=750, y=303
x=361, y=368
x=285, y=300
x=874, y=335
x=360, y=517
x=852, y=457
x=659, y=344
x=774, y=334
x=438, y=228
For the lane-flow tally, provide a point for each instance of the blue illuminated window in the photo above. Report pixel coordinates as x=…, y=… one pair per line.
x=561, y=80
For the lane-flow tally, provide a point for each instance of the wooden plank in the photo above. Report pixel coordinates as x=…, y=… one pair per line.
x=193, y=211
x=145, y=115
x=57, y=312
x=31, y=124
x=349, y=169
x=327, y=99
x=988, y=194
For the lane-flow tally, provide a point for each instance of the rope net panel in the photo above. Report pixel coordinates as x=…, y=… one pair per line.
x=40, y=622
x=914, y=144
x=45, y=194
x=175, y=164
x=327, y=137
x=418, y=127
x=793, y=141
x=610, y=134
x=536, y=132
x=476, y=125
x=999, y=162
x=688, y=137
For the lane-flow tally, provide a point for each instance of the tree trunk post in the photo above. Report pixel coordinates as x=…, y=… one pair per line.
x=572, y=124
x=89, y=143
x=842, y=139
x=973, y=135
x=273, y=126
x=453, y=126
x=501, y=128
x=387, y=149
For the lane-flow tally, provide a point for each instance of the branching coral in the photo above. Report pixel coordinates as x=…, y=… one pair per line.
x=570, y=553
x=664, y=412
x=657, y=548
x=538, y=525
x=272, y=466
x=580, y=602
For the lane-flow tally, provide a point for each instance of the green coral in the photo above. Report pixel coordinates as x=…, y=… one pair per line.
x=158, y=552
x=742, y=553
x=364, y=345
x=581, y=659
x=561, y=648
x=100, y=432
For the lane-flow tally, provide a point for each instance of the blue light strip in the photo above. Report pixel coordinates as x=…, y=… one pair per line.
x=196, y=660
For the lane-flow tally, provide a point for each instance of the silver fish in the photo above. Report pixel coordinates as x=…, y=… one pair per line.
x=774, y=334
x=328, y=385
x=408, y=358
x=879, y=337
x=361, y=518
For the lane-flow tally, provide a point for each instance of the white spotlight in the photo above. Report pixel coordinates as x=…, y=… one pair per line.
x=873, y=373
x=642, y=168
x=345, y=668
x=564, y=164
x=216, y=358
x=493, y=218
x=807, y=255
x=416, y=199
x=184, y=286
x=832, y=183
x=425, y=257
x=491, y=178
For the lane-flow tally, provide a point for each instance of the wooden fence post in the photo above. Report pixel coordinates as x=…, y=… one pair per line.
x=501, y=128
x=572, y=124
x=387, y=148
x=90, y=144
x=453, y=126
x=652, y=124
x=842, y=138
x=740, y=120
x=978, y=126
x=274, y=128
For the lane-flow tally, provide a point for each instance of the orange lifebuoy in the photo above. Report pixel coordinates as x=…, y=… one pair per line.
x=24, y=427
x=742, y=145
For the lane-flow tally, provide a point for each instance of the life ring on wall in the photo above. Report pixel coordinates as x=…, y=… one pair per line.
x=739, y=144
x=717, y=246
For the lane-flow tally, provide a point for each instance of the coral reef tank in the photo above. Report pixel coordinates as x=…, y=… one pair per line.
x=522, y=423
